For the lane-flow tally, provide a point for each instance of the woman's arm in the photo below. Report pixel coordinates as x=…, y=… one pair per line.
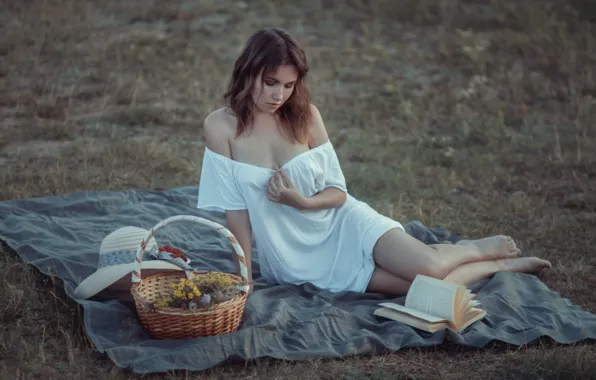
x=217, y=133
x=331, y=197
x=239, y=225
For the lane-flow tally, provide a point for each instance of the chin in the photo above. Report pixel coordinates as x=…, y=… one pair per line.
x=268, y=110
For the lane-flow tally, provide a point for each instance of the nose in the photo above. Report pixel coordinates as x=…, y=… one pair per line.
x=278, y=95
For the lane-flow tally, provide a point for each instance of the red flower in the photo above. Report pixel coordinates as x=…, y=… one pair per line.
x=175, y=252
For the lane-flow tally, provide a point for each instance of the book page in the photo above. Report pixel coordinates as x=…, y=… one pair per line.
x=463, y=298
x=432, y=296
x=471, y=304
x=415, y=313
x=473, y=316
x=410, y=320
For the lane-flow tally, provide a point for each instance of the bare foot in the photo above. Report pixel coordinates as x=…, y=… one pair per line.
x=523, y=264
x=495, y=247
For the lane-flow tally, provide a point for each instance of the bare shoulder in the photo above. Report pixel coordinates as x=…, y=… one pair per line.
x=218, y=129
x=318, y=132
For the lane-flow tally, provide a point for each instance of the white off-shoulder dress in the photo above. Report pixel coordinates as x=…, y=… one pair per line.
x=329, y=248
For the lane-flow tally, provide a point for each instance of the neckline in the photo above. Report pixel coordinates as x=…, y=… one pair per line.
x=295, y=158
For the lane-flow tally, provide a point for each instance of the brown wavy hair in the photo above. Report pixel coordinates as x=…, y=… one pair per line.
x=264, y=52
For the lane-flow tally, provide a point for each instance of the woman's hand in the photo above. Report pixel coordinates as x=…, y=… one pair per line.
x=283, y=190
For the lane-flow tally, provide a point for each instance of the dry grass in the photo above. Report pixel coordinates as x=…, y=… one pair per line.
x=475, y=116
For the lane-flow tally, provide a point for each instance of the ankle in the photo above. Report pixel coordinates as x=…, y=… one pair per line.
x=501, y=265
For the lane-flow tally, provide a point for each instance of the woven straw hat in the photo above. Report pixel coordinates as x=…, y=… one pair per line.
x=117, y=254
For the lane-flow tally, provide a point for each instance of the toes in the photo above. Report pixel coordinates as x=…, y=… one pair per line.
x=542, y=264
x=508, y=240
x=511, y=243
x=513, y=253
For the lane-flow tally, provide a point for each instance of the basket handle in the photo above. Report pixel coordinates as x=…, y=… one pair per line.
x=238, y=252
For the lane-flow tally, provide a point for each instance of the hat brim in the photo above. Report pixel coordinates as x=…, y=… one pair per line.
x=106, y=276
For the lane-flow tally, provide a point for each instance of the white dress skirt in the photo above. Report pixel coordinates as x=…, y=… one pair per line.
x=329, y=248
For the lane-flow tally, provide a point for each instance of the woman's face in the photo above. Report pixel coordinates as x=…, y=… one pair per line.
x=272, y=90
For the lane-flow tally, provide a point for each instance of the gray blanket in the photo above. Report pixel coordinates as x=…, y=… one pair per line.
x=61, y=236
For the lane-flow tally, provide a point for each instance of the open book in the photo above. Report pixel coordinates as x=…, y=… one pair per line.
x=433, y=305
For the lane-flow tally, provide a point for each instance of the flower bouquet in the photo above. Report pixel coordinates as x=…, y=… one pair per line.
x=198, y=293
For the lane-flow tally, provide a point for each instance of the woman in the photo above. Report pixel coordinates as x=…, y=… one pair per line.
x=269, y=164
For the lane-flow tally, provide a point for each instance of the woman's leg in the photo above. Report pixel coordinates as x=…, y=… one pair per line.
x=404, y=256
x=472, y=272
x=484, y=241
x=386, y=282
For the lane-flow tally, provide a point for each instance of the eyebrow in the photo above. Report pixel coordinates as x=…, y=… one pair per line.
x=272, y=78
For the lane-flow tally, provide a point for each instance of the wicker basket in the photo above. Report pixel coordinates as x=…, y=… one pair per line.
x=177, y=323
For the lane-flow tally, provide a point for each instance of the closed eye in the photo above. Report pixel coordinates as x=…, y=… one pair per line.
x=273, y=82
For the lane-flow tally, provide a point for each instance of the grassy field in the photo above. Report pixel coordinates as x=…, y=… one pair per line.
x=477, y=116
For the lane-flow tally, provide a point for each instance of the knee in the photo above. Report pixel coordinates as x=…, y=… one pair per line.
x=437, y=268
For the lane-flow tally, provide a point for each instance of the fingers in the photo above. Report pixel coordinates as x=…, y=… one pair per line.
x=278, y=182
x=285, y=177
x=273, y=190
x=274, y=186
x=277, y=176
x=282, y=178
x=272, y=197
